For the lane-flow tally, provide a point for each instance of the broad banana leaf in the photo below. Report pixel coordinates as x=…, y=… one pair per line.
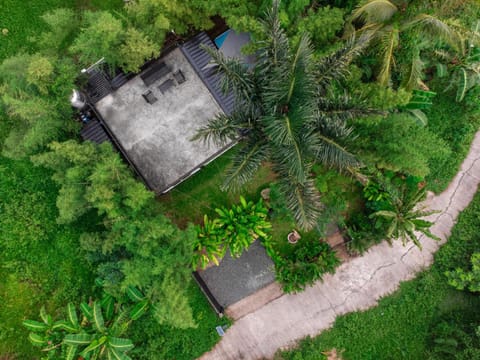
x=37, y=340
x=36, y=326
x=72, y=314
x=77, y=339
x=134, y=294
x=98, y=317
x=120, y=344
x=139, y=309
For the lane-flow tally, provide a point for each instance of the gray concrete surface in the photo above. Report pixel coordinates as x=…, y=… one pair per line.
x=157, y=136
x=356, y=285
x=235, y=279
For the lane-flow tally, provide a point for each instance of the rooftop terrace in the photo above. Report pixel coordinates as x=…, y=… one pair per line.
x=155, y=115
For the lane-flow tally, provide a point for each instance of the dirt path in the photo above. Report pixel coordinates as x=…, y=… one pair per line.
x=356, y=285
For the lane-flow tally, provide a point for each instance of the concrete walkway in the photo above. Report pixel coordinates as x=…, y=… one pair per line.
x=356, y=285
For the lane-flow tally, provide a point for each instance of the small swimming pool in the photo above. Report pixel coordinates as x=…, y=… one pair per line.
x=219, y=40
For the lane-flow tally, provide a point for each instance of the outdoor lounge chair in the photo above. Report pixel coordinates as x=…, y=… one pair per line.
x=179, y=77
x=149, y=97
x=166, y=85
x=155, y=72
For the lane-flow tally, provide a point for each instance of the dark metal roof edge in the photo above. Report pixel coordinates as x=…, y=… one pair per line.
x=208, y=294
x=216, y=95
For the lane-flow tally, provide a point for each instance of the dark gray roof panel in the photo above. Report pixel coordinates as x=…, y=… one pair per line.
x=199, y=59
x=93, y=131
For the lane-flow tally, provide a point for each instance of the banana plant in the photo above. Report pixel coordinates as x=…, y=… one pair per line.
x=97, y=334
x=463, y=67
x=420, y=100
x=242, y=224
x=208, y=247
x=234, y=229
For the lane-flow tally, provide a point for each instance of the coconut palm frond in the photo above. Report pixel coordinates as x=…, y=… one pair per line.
x=388, y=43
x=436, y=28
x=341, y=108
x=245, y=164
x=276, y=45
x=331, y=153
x=290, y=100
x=294, y=159
x=303, y=200
x=443, y=55
x=236, y=76
x=375, y=11
x=221, y=129
x=334, y=67
x=415, y=73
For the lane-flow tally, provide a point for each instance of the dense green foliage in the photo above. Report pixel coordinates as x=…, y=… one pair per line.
x=96, y=220
x=136, y=238
x=410, y=323
x=285, y=116
x=95, y=335
x=305, y=264
x=41, y=261
x=234, y=229
x=398, y=143
x=105, y=36
x=455, y=123
x=461, y=279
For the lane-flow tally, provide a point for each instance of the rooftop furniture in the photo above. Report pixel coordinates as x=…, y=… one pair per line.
x=149, y=97
x=166, y=85
x=179, y=77
x=155, y=72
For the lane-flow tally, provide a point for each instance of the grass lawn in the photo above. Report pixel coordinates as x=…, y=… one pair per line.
x=201, y=193
x=400, y=327
x=41, y=260
x=164, y=342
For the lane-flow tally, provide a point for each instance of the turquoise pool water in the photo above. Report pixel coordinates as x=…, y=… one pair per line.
x=219, y=40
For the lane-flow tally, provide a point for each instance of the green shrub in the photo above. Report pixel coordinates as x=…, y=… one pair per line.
x=461, y=279
x=456, y=335
x=305, y=264
x=234, y=229
x=362, y=233
x=456, y=124
x=399, y=144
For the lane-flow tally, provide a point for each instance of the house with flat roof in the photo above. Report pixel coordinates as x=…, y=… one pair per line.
x=153, y=116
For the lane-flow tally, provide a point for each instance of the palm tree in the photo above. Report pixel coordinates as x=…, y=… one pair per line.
x=285, y=114
x=404, y=217
x=387, y=21
x=463, y=65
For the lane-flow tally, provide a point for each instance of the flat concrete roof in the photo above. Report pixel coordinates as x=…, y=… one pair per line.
x=157, y=137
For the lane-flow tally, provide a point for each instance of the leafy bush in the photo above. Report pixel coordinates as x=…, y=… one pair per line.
x=399, y=144
x=456, y=335
x=153, y=341
x=304, y=265
x=235, y=228
x=96, y=335
x=461, y=279
x=139, y=245
x=362, y=233
x=323, y=24
x=207, y=247
x=456, y=124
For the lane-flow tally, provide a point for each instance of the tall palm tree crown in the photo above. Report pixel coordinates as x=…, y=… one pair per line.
x=387, y=21
x=285, y=114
